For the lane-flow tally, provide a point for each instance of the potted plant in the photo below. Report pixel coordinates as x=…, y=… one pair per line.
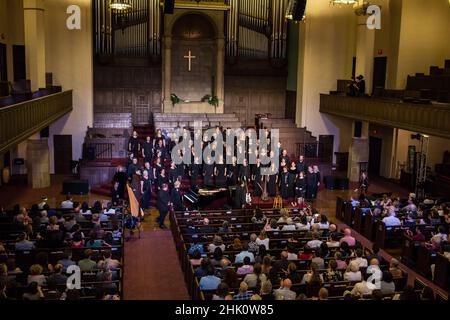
x=212, y=100
x=175, y=99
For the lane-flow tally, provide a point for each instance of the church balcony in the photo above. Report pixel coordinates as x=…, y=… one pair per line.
x=20, y=121
x=432, y=119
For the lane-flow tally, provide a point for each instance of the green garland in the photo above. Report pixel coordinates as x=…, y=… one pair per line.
x=212, y=100
x=175, y=99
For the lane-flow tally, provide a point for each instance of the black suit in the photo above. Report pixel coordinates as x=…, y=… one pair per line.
x=287, y=185
x=240, y=197
x=301, y=166
x=163, y=206
x=177, y=200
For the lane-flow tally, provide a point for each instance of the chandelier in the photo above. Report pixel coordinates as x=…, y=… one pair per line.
x=120, y=5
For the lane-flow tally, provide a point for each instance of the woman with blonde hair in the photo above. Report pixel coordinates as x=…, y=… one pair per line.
x=263, y=239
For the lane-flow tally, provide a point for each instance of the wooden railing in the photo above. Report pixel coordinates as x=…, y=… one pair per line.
x=20, y=121
x=432, y=119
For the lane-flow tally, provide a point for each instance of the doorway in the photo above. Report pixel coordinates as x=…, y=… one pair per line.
x=62, y=147
x=326, y=143
x=3, y=64
x=19, y=64
x=375, y=146
x=379, y=73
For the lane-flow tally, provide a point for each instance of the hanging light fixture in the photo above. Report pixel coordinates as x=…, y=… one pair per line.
x=343, y=2
x=120, y=5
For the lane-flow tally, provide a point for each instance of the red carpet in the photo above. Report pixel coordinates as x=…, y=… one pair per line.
x=152, y=270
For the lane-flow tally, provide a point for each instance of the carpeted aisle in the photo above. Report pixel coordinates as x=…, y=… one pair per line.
x=152, y=270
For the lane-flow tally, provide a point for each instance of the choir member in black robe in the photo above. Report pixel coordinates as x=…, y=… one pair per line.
x=233, y=172
x=286, y=184
x=176, y=197
x=284, y=156
x=121, y=178
x=301, y=164
x=220, y=172
x=157, y=169
x=300, y=185
x=160, y=150
x=163, y=205
x=208, y=174
x=244, y=172
x=146, y=190
x=147, y=150
x=257, y=178
x=194, y=171
x=312, y=185
x=173, y=173
x=133, y=144
x=239, y=200
x=132, y=168
x=273, y=181
x=162, y=178
x=293, y=169
x=158, y=137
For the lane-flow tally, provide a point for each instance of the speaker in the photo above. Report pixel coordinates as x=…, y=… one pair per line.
x=342, y=183
x=75, y=187
x=330, y=182
x=169, y=6
x=89, y=153
x=358, y=129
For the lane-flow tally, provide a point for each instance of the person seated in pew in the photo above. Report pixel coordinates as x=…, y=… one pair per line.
x=394, y=268
x=318, y=258
x=202, y=270
x=236, y=245
x=271, y=225
x=217, y=243
x=262, y=239
x=303, y=224
x=209, y=281
x=23, y=244
x=217, y=257
x=313, y=276
x=340, y=261
x=285, y=292
x=266, y=291
x=306, y=254
x=243, y=293
x=315, y=242
x=225, y=227
x=223, y=291
x=258, y=216
x=333, y=241
x=244, y=253
x=289, y=226
x=364, y=287
x=246, y=267
x=292, y=273
x=362, y=262
x=387, y=285
x=348, y=238
x=333, y=274
x=196, y=258
x=292, y=252
x=352, y=273
x=391, y=220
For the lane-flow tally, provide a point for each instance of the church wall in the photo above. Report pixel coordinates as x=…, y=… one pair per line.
x=11, y=28
x=424, y=34
x=327, y=47
x=69, y=58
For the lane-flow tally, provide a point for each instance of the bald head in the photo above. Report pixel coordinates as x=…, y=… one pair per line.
x=347, y=232
x=243, y=287
x=332, y=227
x=374, y=262
x=284, y=255
x=287, y=283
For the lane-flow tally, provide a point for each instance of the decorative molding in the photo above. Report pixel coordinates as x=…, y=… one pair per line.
x=20, y=121
x=432, y=119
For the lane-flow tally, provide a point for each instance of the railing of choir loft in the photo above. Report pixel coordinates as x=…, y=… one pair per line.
x=20, y=121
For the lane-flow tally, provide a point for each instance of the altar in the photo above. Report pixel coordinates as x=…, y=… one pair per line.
x=193, y=61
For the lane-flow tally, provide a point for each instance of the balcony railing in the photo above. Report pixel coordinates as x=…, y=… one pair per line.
x=20, y=121
x=432, y=119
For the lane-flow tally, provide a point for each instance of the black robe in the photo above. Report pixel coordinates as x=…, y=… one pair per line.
x=208, y=175
x=301, y=166
x=147, y=189
x=134, y=146
x=177, y=199
x=232, y=174
x=244, y=173
x=312, y=185
x=257, y=180
x=300, y=187
x=221, y=179
x=240, y=198
x=286, y=185
x=194, y=170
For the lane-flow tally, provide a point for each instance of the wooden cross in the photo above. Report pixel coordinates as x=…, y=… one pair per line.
x=190, y=57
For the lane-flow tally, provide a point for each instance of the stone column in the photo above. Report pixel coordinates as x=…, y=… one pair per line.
x=358, y=153
x=38, y=164
x=167, y=76
x=34, y=29
x=365, y=46
x=220, y=74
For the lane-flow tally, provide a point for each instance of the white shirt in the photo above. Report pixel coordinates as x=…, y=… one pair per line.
x=362, y=262
x=363, y=288
x=288, y=227
x=333, y=244
x=314, y=243
x=67, y=204
x=264, y=242
x=391, y=221
x=352, y=276
x=303, y=226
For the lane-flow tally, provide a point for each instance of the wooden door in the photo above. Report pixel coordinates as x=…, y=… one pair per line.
x=375, y=146
x=62, y=146
x=379, y=72
x=19, y=64
x=326, y=143
x=3, y=64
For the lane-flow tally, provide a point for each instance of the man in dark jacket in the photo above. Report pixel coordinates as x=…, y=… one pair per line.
x=163, y=205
